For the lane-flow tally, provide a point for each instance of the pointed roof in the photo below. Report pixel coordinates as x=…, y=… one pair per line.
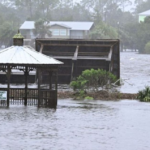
x=74, y=25
x=28, y=25
x=25, y=55
x=145, y=13
x=18, y=36
x=63, y=25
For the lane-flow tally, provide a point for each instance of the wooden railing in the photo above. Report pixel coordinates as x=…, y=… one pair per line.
x=17, y=97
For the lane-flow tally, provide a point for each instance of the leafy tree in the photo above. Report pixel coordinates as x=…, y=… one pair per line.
x=147, y=48
x=42, y=28
x=6, y=33
x=103, y=31
x=142, y=35
x=93, y=80
x=142, y=6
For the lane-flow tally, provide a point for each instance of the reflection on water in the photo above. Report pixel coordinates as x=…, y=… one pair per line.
x=90, y=125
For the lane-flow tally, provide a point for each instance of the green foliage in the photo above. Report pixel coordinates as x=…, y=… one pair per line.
x=41, y=28
x=142, y=35
x=147, y=48
x=92, y=80
x=88, y=98
x=144, y=95
x=142, y=6
x=103, y=31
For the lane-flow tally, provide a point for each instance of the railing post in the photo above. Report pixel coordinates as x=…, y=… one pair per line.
x=8, y=83
x=26, y=85
x=39, y=83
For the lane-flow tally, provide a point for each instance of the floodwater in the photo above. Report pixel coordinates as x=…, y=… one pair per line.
x=135, y=71
x=84, y=125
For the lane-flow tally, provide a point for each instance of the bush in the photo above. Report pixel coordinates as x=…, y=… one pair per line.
x=88, y=98
x=144, y=95
x=147, y=48
x=92, y=80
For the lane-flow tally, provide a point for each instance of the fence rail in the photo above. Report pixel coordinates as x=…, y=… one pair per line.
x=17, y=97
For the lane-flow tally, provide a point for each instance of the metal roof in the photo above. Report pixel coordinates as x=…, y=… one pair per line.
x=63, y=25
x=25, y=55
x=74, y=25
x=145, y=13
x=68, y=24
x=28, y=25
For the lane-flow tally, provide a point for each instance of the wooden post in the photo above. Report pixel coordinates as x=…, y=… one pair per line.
x=26, y=85
x=56, y=80
x=50, y=80
x=8, y=83
x=39, y=83
x=72, y=70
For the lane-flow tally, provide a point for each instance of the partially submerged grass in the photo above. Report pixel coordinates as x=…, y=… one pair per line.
x=144, y=95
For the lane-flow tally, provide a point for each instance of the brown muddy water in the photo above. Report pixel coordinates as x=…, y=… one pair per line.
x=84, y=125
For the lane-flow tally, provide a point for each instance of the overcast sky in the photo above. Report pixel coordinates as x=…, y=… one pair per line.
x=128, y=8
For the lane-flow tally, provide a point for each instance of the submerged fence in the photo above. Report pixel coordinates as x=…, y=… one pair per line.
x=17, y=97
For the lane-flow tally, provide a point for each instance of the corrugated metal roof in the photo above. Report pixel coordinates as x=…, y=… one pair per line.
x=145, y=13
x=74, y=25
x=25, y=55
x=28, y=25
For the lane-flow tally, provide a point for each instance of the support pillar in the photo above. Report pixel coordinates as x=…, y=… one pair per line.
x=50, y=80
x=8, y=83
x=39, y=83
x=56, y=81
x=26, y=85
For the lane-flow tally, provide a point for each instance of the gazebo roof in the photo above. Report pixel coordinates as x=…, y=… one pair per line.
x=25, y=55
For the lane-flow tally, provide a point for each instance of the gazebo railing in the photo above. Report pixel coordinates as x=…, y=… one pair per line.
x=17, y=97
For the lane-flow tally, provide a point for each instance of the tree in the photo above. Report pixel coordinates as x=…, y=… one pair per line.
x=7, y=31
x=147, y=48
x=93, y=80
x=103, y=31
x=142, y=6
x=42, y=28
x=142, y=35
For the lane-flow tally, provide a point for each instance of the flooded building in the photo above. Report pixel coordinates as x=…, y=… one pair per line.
x=80, y=54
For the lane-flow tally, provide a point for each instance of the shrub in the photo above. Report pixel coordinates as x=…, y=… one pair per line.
x=147, y=48
x=88, y=98
x=92, y=80
x=144, y=95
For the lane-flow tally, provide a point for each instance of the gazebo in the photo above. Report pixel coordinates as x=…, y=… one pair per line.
x=26, y=59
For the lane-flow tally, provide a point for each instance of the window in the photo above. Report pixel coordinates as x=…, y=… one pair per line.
x=55, y=32
x=63, y=32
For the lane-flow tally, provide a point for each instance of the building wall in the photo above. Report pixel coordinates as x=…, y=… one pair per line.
x=142, y=18
x=91, y=54
x=74, y=34
x=27, y=34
